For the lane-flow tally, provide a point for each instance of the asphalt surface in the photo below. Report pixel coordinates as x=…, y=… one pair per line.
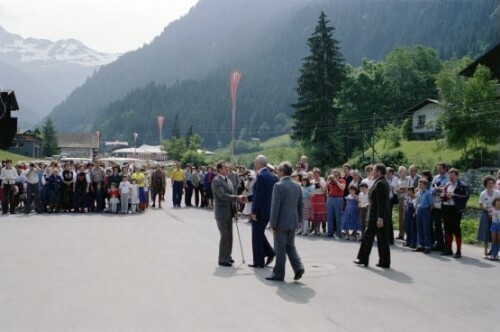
x=158, y=272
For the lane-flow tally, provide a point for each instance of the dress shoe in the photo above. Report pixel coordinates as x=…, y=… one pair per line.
x=358, y=262
x=383, y=266
x=458, y=254
x=427, y=251
x=270, y=259
x=225, y=264
x=299, y=274
x=447, y=253
x=419, y=249
x=231, y=260
x=256, y=266
x=274, y=278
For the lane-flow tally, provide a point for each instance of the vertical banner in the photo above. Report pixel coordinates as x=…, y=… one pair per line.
x=235, y=81
x=160, y=120
x=135, y=144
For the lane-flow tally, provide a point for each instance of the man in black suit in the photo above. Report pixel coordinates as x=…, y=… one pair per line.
x=378, y=221
x=261, y=209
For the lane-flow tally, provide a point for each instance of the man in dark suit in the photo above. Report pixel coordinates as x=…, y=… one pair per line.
x=224, y=209
x=377, y=222
x=261, y=209
x=286, y=212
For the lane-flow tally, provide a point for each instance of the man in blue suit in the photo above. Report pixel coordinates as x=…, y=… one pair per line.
x=262, y=192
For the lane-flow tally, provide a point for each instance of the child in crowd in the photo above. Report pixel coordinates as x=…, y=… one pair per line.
x=410, y=221
x=124, y=189
x=350, y=218
x=495, y=229
x=134, y=196
x=113, y=198
x=363, y=204
x=306, y=193
x=424, y=207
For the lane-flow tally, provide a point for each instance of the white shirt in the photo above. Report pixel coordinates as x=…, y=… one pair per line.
x=124, y=187
x=32, y=177
x=369, y=182
x=487, y=200
x=450, y=188
x=8, y=175
x=363, y=200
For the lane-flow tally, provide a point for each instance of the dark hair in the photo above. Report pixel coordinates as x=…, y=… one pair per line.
x=453, y=170
x=352, y=186
x=286, y=168
x=495, y=201
x=427, y=174
x=363, y=184
x=220, y=164
x=412, y=189
x=487, y=179
x=443, y=165
x=380, y=167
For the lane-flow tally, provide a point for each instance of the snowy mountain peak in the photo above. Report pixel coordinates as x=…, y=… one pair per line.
x=15, y=49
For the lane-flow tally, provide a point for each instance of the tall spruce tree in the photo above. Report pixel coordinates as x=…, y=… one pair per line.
x=49, y=138
x=176, y=131
x=321, y=77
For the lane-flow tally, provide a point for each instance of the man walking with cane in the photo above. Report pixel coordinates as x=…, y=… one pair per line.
x=224, y=209
x=286, y=212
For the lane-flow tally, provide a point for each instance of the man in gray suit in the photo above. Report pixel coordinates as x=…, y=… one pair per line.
x=225, y=209
x=286, y=212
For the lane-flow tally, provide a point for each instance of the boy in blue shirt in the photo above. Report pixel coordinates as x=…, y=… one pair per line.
x=424, y=207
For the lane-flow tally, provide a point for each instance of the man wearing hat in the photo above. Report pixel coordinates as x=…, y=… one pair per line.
x=8, y=177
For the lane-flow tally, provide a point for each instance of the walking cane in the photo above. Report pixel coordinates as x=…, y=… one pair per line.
x=239, y=238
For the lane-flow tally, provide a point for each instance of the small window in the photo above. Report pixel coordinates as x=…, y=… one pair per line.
x=421, y=121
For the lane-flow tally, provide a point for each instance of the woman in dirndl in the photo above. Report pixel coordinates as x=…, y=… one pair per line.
x=318, y=201
x=485, y=203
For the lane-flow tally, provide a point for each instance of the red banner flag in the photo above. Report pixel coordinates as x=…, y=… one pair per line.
x=159, y=120
x=235, y=81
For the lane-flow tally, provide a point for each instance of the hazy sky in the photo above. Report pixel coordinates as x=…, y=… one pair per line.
x=103, y=25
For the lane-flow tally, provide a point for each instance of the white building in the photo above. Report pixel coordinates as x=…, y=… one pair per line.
x=144, y=152
x=424, y=119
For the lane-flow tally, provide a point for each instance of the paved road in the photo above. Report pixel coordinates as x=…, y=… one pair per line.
x=158, y=272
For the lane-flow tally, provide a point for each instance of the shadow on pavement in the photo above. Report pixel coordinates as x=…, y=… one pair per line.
x=475, y=262
x=393, y=275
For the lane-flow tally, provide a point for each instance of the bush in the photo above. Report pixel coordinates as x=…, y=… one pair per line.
x=193, y=158
x=475, y=158
x=393, y=159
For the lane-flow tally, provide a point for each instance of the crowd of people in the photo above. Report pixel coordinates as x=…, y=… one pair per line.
x=79, y=188
x=334, y=205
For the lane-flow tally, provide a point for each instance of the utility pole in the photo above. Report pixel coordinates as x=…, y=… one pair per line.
x=373, y=139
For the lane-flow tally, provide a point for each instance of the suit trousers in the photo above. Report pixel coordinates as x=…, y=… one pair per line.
x=260, y=246
x=390, y=228
x=437, y=229
x=226, y=239
x=383, y=245
x=33, y=196
x=189, y=194
x=8, y=199
x=284, y=245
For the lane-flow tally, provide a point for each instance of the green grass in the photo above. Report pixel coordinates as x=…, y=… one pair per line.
x=12, y=156
x=276, y=149
x=425, y=154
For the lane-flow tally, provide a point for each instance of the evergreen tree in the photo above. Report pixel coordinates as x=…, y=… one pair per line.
x=176, y=132
x=189, y=133
x=49, y=138
x=321, y=77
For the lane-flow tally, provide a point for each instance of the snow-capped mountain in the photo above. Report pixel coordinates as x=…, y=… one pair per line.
x=43, y=73
x=15, y=49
